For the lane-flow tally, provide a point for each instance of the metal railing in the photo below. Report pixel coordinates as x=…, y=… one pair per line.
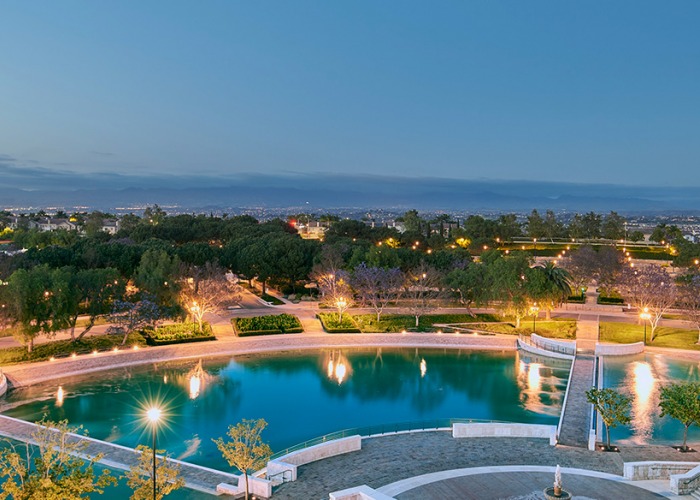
x=281, y=477
x=378, y=430
x=547, y=346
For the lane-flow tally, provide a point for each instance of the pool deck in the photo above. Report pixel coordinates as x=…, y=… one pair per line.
x=408, y=458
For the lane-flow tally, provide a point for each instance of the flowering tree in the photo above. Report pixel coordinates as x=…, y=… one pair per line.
x=423, y=290
x=650, y=289
x=377, y=286
x=127, y=317
x=208, y=291
x=689, y=299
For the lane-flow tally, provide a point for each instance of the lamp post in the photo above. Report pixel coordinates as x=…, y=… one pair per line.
x=645, y=316
x=153, y=415
x=534, y=310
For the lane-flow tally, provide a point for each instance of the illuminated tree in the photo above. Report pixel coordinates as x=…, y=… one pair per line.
x=140, y=476
x=612, y=407
x=245, y=449
x=649, y=288
x=377, y=286
x=56, y=468
x=423, y=290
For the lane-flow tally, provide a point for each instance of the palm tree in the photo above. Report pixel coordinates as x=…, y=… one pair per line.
x=557, y=285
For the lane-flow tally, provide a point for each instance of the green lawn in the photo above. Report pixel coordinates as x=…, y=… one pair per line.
x=64, y=348
x=394, y=323
x=555, y=328
x=626, y=333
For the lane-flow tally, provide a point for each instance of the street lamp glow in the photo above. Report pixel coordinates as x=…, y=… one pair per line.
x=154, y=414
x=645, y=316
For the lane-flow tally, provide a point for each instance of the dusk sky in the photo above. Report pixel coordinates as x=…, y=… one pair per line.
x=594, y=91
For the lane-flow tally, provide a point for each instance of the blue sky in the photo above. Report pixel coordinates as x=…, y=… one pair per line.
x=594, y=91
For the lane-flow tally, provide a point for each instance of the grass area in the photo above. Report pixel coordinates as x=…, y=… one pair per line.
x=557, y=328
x=396, y=323
x=64, y=348
x=626, y=333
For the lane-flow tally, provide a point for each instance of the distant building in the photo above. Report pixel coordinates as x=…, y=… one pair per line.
x=51, y=224
x=110, y=226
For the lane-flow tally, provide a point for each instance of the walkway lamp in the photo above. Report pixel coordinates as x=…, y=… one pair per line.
x=645, y=316
x=534, y=310
x=154, y=414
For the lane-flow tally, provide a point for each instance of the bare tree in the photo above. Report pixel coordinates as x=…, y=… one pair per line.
x=209, y=291
x=377, y=286
x=423, y=290
x=335, y=291
x=582, y=265
x=650, y=289
x=689, y=299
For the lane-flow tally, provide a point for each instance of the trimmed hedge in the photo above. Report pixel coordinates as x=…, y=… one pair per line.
x=179, y=333
x=614, y=301
x=576, y=299
x=267, y=325
x=330, y=324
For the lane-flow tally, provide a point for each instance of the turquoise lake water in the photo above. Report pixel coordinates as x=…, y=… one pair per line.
x=641, y=377
x=302, y=395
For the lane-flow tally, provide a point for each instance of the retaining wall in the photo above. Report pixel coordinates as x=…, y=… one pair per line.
x=291, y=461
x=542, y=352
x=685, y=484
x=642, y=471
x=3, y=383
x=618, y=349
x=506, y=430
x=363, y=492
x=257, y=487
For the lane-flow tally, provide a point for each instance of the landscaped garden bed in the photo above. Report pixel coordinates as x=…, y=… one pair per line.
x=66, y=348
x=330, y=323
x=179, y=333
x=266, y=325
x=396, y=323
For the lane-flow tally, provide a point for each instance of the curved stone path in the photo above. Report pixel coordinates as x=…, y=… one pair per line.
x=388, y=459
x=516, y=485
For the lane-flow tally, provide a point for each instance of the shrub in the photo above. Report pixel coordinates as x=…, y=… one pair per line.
x=330, y=323
x=267, y=325
x=179, y=333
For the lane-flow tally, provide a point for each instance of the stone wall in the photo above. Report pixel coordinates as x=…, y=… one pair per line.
x=505, y=430
x=618, y=349
x=363, y=492
x=685, y=484
x=642, y=471
x=291, y=461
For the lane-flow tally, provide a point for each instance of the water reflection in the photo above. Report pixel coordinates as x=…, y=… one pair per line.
x=59, y=396
x=423, y=367
x=337, y=367
x=541, y=385
x=644, y=400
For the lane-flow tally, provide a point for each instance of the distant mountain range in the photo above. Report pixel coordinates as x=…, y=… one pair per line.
x=23, y=187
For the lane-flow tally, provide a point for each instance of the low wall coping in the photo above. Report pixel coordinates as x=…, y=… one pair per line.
x=618, y=349
x=3, y=383
x=542, y=352
x=497, y=429
x=363, y=492
x=686, y=483
x=655, y=469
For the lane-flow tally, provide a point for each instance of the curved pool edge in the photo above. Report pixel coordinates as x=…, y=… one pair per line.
x=24, y=375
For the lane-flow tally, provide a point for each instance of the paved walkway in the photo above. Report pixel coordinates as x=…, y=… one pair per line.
x=524, y=486
x=576, y=419
x=115, y=456
x=388, y=459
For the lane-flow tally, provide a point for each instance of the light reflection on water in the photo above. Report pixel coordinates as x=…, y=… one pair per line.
x=301, y=395
x=641, y=378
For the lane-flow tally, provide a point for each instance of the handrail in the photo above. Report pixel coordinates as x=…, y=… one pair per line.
x=281, y=473
x=543, y=344
x=377, y=430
